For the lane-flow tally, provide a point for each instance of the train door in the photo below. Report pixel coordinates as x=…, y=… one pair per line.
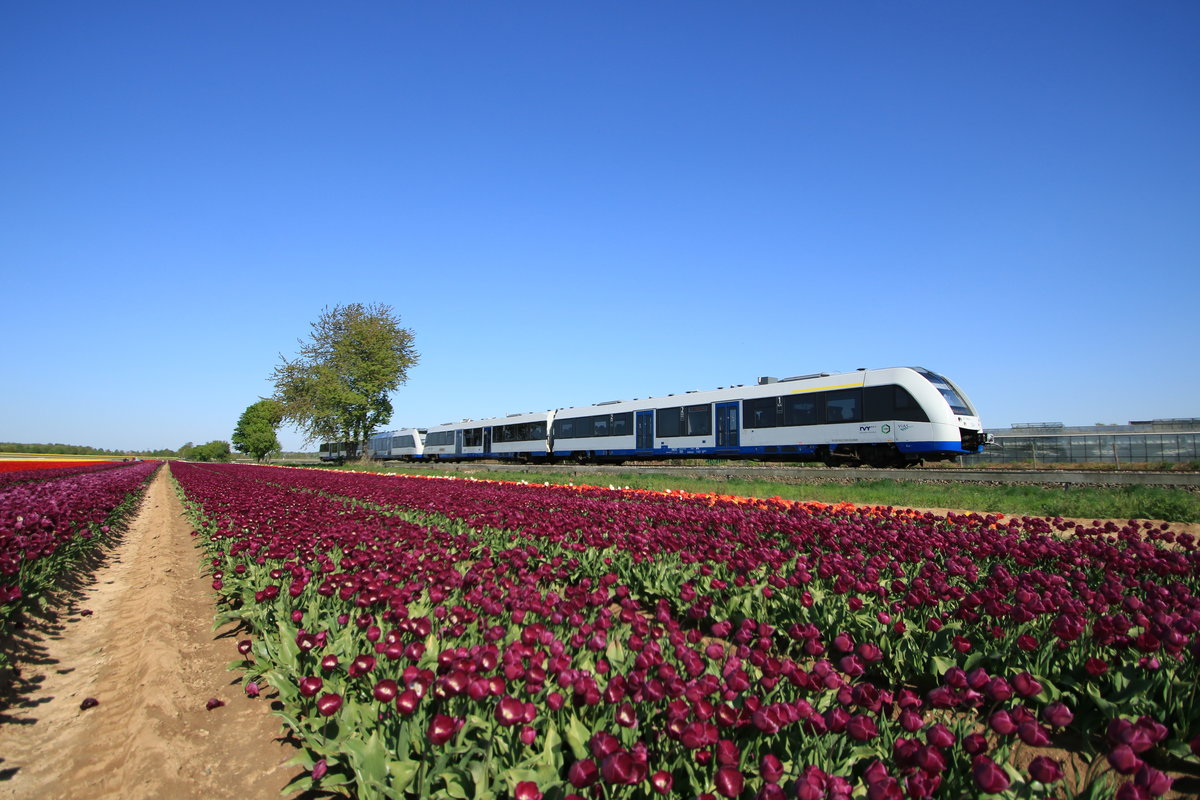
x=487, y=441
x=458, y=442
x=728, y=426
x=645, y=430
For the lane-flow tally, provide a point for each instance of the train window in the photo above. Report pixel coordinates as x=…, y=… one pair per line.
x=564, y=429
x=699, y=420
x=437, y=438
x=879, y=403
x=537, y=430
x=599, y=426
x=907, y=407
x=957, y=404
x=669, y=421
x=883, y=403
x=404, y=441
x=761, y=412
x=844, y=406
x=622, y=424
x=803, y=409
x=473, y=437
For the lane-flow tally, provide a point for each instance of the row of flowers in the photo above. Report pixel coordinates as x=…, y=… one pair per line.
x=469, y=639
x=12, y=472
x=46, y=524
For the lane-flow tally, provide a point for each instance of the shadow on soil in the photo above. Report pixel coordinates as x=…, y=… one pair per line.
x=24, y=656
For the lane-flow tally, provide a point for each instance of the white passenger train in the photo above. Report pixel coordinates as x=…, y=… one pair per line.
x=880, y=417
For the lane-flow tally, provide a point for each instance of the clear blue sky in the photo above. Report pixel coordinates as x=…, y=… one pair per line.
x=577, y=202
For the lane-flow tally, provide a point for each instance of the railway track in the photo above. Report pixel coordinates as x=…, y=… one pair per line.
x=800, y=474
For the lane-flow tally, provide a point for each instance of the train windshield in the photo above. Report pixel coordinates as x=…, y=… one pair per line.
x=958, y=403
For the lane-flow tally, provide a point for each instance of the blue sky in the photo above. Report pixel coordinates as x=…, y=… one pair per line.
x=577, y=202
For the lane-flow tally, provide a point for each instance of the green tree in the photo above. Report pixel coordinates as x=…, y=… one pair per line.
x=215, y=450
x=255, y=431
x=338, y=387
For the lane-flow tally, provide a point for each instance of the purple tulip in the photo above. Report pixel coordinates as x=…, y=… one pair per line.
x=527, y=790
x=509, y=711
x=1123, y=759
x=1058, y=715
x=988, y=775
x=1045, y=770
x=940, y=736
x=583, y=773
x=862, y=728
x=88, y=702
x=1153, y=781
x=385, y=691
x=310, y=685
x=442, y=729
x=661, y=781
x=361, y=666
x=620, y=768
x=975, y=743
x=329, y=704
x=213, y=702
x=771, y=768
x=730, y=781
x=1033, y=734
x=1026, y=685
x=1002, y=723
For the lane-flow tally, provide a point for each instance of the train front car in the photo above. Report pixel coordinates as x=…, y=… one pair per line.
x=942, y=425
x=405, y=444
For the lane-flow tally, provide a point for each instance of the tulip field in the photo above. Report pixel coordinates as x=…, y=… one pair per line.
x=51, y=512
x=432, y=637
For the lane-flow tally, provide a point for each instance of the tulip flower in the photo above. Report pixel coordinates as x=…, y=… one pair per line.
x=328, y=704
x=730, y=781
x=988, y=775
x=1045, y=770
x=442, y=729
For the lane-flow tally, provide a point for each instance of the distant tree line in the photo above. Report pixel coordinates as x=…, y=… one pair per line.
x=212, y=451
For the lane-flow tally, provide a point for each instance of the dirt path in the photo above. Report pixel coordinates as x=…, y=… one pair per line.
x=148, y=654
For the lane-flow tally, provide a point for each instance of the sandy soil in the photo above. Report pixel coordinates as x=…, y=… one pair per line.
x=148, y=654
